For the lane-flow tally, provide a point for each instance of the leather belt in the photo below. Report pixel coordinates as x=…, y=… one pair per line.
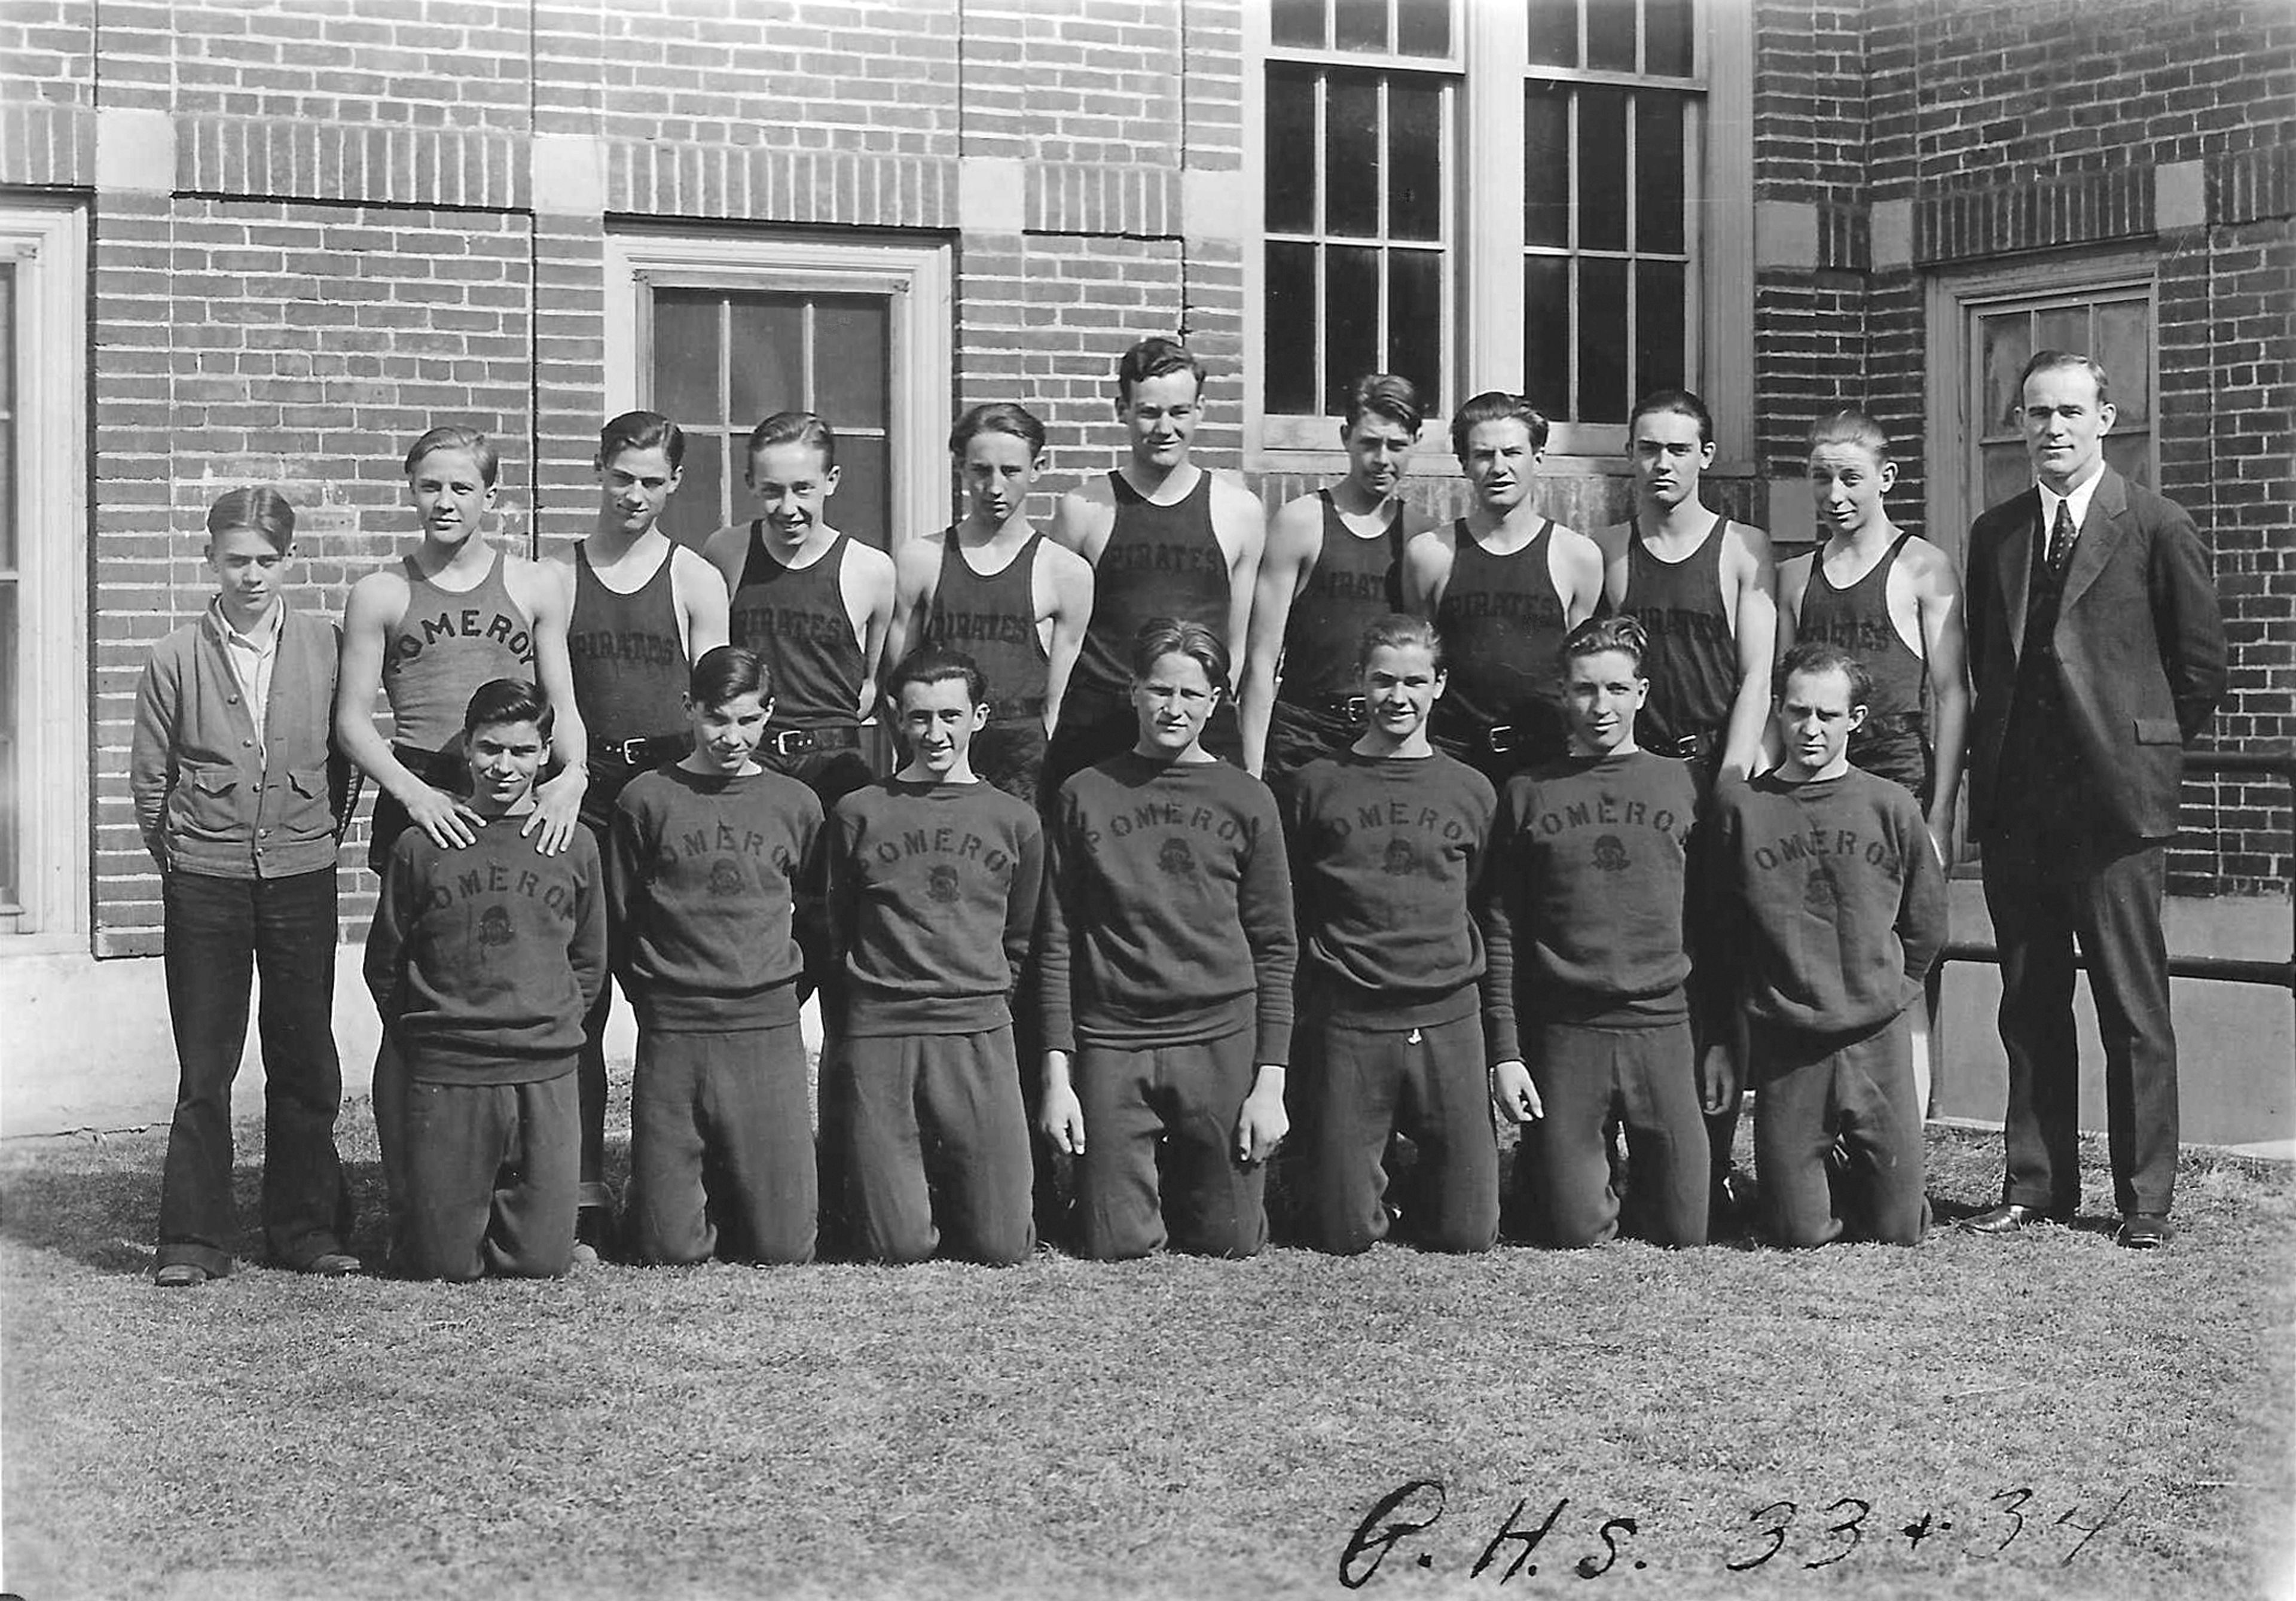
x=651, y=749
x=805, y=742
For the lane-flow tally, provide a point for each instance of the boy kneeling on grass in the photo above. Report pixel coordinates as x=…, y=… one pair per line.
x=934, y=878
x=1828, y=877
x=713, y=867
x=483, y=961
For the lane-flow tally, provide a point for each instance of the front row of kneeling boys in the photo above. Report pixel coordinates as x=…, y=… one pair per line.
x=1601, y=947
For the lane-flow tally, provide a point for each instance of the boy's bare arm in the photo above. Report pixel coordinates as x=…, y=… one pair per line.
x=1756, y=625
x=557, y=803
x=1071, y=613
x=1294, y=541
x=702, y=601
x=1945, y=646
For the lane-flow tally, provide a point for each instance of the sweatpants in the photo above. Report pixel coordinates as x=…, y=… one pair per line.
x=491, y=1175
x=1189, y=1096
x=936, y=1146
x=1812, y=1090
x=1431, y=1085
x=721, y=1148
x=1647, y=1081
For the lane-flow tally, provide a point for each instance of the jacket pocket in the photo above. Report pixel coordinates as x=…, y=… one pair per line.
x=310, y=814
x=206, y=800
x=2158, y=731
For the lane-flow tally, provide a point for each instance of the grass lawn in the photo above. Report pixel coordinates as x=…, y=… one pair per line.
x=1166, y=1428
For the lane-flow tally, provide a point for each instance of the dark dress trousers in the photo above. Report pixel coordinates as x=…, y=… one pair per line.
x=2089, y=681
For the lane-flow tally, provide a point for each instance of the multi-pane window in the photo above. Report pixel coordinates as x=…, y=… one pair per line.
x=2112, y=327
x=1361, y=98
x=720, y=361
x=11, y=714
x=1611, y=99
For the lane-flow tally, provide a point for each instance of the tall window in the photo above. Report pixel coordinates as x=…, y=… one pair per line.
x=1359, y=263
x=718, y=333
x=1481, y=195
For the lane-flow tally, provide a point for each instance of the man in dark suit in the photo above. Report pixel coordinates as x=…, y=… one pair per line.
x=2097, y=653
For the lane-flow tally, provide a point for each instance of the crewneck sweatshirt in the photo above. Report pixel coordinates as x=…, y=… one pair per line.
x=1835, y=894
x=1583, y=911
x=1170, y=920
x=710, y=880
x=1385, y=854
x=933, y=894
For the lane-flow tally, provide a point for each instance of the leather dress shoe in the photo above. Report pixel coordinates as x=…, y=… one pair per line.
x=181, y=1275
x=333, y=1264
x=2144, y=1231
x=2010, y=1217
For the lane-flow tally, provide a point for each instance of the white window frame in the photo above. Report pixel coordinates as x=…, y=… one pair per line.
x=916, y=276
x=48, y=243
x=1486, y=324
x=1954, y=301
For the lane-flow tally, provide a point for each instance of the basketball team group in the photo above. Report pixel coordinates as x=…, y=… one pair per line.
x=1122, y=854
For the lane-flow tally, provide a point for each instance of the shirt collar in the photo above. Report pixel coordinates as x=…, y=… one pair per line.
x=2077, y=500
x=264, y=637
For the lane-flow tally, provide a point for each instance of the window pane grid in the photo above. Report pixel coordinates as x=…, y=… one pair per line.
x=2111, y=326
x=1419, y=30
x=1618, y=41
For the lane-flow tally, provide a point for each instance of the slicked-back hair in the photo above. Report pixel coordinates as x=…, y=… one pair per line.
x=1162, y=636
x=454, y=436
x=998, y=416
x=2047, y=361
x=641, y=430
x=1823, y=656
x=1851, y=426
x=795, y=428
x=931, y=664
x=1495, y=406
x=1384, y=395
x=1398, y=631
x=725, y=673
x=259, y=509
x=500, y=701
x=1621, y=631
x=1154, y=358
x=1682, y=403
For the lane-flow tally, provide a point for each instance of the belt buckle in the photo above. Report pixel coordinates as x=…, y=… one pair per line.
x=1686, y=748
x=1500, y=738
x=794, y=742
x=629, y=752
x=1356, y=709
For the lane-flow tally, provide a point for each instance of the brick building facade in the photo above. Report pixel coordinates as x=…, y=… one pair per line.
x=296, y=232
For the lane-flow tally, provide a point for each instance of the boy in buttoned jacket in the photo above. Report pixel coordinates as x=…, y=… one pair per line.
x=240, y=799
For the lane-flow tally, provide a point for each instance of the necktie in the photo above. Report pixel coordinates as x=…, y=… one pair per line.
x=2061, y=537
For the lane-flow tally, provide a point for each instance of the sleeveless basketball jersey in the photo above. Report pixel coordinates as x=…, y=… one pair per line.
x=795, y=618
x=1692, y=659
x=1501, y=623
x=448, y=643
x=1857, y=619
x=993, y=619
x=1160, y=561
x=1356, y=582
x=629, y=664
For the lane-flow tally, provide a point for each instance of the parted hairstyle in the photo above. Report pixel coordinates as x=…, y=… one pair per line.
x=1621, y=631
x=931, y=664
x=1682, y=403
x=2045, y=361
x=641, y=430
x=1384, y=395
x=795, y=428
x=257, y=508
x=1850, y=426
x=726, y=672
x=998, y=416
x=1162, y=636
x=1153, y=358
x=1398, y=631
x=1495, y=406
x=501, y=700
x=454, y=436
x=1823, y=656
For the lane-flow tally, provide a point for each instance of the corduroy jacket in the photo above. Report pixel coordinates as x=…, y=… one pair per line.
x=212, y=799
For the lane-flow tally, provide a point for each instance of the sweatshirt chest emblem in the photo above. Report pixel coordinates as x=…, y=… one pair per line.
x=724, y=876
x=1176, y=859
x=1817, y=896
x=940, y=885
x=1400, y=861
x=493, y=929
x=1610, y=854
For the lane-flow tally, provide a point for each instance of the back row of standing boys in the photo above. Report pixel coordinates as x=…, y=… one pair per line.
x=1511, y=792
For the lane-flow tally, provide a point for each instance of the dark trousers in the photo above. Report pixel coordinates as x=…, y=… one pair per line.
x=221, y=933
x=490, y=1178
x=1094, y=728
x=721, y=1148
x=1188, y=1099
x=936, y=1146
x=1817, y=1092
x=1647, y=1081
x=1430, y=1083
x=2048, y=887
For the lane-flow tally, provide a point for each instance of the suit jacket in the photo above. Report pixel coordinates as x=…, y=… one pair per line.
x=2139, y=643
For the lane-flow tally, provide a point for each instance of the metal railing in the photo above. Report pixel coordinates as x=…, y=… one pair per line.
x=2228, y=970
